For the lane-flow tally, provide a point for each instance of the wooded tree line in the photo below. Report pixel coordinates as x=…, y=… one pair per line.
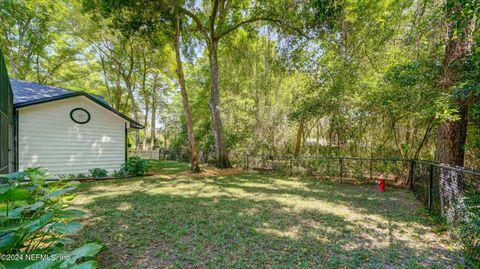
x=321, y=77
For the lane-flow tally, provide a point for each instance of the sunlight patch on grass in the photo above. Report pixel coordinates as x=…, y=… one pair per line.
x=124, y=207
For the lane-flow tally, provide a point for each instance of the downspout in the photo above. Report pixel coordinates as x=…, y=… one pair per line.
x=16, y=123
x=126, y=142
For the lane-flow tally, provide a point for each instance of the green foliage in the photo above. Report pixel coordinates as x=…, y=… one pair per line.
x=413, y=74
x=368, y=73
x=98, y=172
x=81, y=175
x=41, y=40
x=36, y=220
x=119, y=173
x=327, y=11
x=469, y=227
x=135, y=166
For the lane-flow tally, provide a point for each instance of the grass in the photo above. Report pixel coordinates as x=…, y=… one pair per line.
x=252, y=220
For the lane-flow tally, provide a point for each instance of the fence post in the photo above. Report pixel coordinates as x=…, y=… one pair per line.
x=246, y=163
x=341, y=169
x=411, y=175
x=430, y=187
x=290, y=166
x=371, y=168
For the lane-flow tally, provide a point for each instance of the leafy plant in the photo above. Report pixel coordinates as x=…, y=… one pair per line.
x=118, y=173
x=81, y=175
x=35, y=220
x=135, y=166
x=98, y=172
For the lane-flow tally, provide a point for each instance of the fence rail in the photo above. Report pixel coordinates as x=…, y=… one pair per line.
x=441, y=188
x=146, y=154
x=4, y=170
x=340, y=168
x=172, y=155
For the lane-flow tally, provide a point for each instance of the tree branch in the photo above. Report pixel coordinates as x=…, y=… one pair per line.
x=213, y=16
x=223, y=11
x=197, y=21
x=254, y=19
x=425, y=136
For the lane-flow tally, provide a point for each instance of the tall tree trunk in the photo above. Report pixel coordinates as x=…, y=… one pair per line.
x=452, y=134
x=214, y=103
x=165, y=140
x=21, y=33
x=105, y=78
x=298, y=143
x=424, y=139
x=135, y=117
x=145, y=123
x=146, y=96
x=154, y=115
x=152, y=127
x=186, y=105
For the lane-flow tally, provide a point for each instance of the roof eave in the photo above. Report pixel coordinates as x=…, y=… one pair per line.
x=133, y=123
x=45, y=100
x=136, y=125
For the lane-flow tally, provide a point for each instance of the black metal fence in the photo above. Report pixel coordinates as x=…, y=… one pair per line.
x=332, y=167
x=338, y=168
x=442, y=188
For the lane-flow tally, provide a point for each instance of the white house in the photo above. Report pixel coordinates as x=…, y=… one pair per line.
x=65, y=131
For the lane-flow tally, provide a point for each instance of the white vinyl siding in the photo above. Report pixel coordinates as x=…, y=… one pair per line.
x=49, y=138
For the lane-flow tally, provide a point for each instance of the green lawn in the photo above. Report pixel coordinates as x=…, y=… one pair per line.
x=257, y=220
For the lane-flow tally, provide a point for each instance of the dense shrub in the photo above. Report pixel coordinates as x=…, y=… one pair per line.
x=135, y=166
x=469, y=228
x=98, y=172
x=81, y=175
x=35, y=220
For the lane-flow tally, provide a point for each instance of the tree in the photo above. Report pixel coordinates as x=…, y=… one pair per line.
x=159, y=20
x=223, y=18
x=460, y=17
x=123, y=56
x=183, y=90
x=34, y=35
x=275, y=77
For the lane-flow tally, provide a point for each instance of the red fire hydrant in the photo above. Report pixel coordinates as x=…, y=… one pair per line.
x=381, y=185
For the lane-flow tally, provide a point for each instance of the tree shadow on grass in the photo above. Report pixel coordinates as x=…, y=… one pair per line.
x=397, y=205
x=156, y=230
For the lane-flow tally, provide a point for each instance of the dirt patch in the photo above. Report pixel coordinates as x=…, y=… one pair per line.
x=212, y=171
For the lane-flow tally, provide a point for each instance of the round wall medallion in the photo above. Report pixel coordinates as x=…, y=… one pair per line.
x=80, y=115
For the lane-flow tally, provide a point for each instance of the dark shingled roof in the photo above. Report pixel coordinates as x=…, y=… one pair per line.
x=25, y=92
x=29, y=93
